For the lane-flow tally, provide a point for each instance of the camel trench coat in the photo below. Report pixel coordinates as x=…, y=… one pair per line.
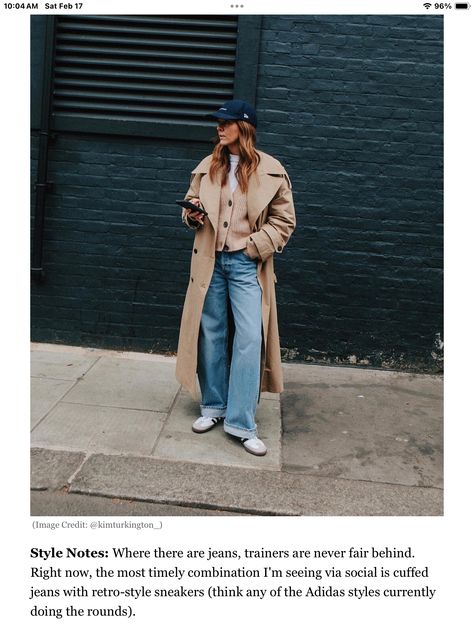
x=272, y=220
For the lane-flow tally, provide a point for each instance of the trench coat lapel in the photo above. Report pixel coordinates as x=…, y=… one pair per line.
x=262, y=189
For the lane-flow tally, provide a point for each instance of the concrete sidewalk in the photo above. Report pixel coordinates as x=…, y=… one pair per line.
x=341, y=441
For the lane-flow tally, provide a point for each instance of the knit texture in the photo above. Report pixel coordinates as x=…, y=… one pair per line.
x=233, y=229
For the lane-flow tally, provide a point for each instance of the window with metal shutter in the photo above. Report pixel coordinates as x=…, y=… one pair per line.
x=151, y=75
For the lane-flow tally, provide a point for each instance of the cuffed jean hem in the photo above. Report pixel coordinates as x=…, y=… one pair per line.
x=243, y=433
x=208, y=411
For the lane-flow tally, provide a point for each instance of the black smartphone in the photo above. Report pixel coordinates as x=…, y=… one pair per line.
x=192, y=207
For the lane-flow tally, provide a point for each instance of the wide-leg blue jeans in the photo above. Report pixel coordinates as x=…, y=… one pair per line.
x=230, y=385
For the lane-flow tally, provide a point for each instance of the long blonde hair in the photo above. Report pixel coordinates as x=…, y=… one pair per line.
x=249, y=157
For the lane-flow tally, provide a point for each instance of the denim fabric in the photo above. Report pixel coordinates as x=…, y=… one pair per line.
x=230, y=386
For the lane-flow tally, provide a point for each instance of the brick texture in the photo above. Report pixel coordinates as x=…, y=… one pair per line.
x=352, y=106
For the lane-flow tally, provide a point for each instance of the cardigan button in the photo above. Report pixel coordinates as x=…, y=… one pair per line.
x=230, y=202
x=192, y=280
x=226, y=224
x=195, y=250
x=279, y=248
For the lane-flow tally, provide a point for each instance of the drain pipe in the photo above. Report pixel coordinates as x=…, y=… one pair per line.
x=42, y=186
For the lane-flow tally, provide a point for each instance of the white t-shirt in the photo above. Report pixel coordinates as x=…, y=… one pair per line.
x=234, y=161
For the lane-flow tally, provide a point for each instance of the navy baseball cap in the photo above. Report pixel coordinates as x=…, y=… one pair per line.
x=236, y=110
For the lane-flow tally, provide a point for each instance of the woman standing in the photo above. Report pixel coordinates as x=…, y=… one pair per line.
x=229, y=327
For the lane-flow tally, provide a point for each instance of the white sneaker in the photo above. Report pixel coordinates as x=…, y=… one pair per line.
x=203, y=424
x=255, y=446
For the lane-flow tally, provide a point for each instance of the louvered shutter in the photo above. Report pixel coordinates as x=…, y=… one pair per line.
x=145, y=75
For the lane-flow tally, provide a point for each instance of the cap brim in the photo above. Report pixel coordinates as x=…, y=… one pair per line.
x=221, y=115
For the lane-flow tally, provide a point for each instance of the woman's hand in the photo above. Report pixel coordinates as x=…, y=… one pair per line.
x=194, y=215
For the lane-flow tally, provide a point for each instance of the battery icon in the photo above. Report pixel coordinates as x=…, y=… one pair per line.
x=462, y=5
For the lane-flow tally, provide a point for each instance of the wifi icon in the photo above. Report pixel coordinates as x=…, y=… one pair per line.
x=427, y=5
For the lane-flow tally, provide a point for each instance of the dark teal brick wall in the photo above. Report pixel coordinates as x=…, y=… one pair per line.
x=352, y=105
x=116, y=252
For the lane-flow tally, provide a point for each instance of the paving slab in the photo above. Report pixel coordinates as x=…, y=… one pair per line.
x=51, y=469
x=127, y=383
x=248, y=490
x=363, y=424
x=105, y=429
x=178, y=442
x=64, y=365
x=45, y=393
x=97, y=352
